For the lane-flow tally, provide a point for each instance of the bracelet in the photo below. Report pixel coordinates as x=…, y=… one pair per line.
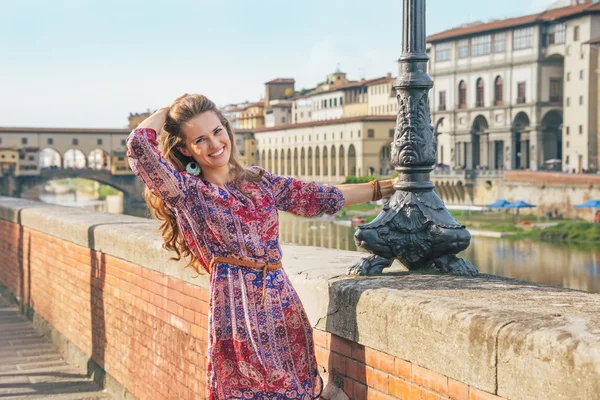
x=376, y=190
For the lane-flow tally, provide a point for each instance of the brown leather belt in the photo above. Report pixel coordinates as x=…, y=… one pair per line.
x=248, y=264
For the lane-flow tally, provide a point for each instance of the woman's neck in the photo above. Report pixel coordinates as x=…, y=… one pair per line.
x=218, y=176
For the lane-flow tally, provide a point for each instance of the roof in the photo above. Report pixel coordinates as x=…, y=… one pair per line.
x=545, y=16
x=281, y=80
x=349, y=85
x=63, y=130
x=593, y=41
x=284, y=105
x=364, y=118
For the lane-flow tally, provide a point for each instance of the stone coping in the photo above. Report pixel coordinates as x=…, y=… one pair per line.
x=516, y=339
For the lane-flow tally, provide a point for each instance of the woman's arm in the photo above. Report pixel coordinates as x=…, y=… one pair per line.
x=146, y=161
x=358, y=193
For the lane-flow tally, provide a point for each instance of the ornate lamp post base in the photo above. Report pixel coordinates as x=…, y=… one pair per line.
x=414, y=226
x=416, y=229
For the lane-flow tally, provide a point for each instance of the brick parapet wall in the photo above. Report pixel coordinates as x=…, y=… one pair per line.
x=145, y=322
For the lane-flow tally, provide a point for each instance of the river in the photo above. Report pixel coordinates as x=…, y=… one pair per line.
x=569, y=266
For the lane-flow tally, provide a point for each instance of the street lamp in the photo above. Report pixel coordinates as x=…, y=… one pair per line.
x=414, y=226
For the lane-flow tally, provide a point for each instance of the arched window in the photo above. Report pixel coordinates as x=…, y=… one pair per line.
x=498, y=91
x=479, y=98
x=462, y=95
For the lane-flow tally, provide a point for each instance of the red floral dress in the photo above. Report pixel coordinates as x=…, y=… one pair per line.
x=257, y=348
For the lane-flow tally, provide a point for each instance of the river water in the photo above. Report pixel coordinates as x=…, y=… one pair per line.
x=568, y=266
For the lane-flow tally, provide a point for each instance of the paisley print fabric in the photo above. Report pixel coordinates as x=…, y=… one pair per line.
x=257, y=348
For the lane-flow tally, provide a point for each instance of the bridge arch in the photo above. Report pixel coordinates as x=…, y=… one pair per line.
x=98, y=159
x=50, y=158
x=74, y=159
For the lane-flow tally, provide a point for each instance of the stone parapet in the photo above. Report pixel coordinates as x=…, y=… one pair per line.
x=106, y=285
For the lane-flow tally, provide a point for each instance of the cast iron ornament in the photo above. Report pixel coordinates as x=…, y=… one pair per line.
x=414, y=226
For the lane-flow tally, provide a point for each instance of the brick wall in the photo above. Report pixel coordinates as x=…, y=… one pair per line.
x=102, y=284
x=364, y=373
x=145, y=328
x=149, y=330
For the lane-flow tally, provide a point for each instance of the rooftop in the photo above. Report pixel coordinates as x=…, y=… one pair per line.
x=556, y=14
x=281, y=80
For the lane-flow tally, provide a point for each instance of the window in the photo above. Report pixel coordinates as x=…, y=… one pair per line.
x=99, y=142
x=341, y=101
x=567, y=130
x=521, y=93
x=443, y=51
x=75, y=142
x=580, y=100
x=123, y=142
x=23, y=140
x=50, y=141
x=442, y=105
x=392, y=133
x=580, y=75
x=580, y=129
x=568, y=102
x=567, y=160
x=31, y=158
x=479, y=95
x=576, y=33
x=335, y=102
x=463, y=48
x=567, y=144
x=283, y=120
x=462, y=95
x=522, y=38
x=556, y=34
x=499, y=42
x=0, y=140
x=498, y=89
x=359, y=133
x=481, y=45
x=568, y=76
x=556, y=89
x=371, y=133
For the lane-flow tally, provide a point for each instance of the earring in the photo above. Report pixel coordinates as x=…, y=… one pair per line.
x=192, y=168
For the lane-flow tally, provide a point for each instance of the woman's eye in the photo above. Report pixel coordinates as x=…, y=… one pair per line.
x=199, y=140
x=218, y=131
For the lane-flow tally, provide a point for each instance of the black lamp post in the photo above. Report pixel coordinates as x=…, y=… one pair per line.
x=414, y=227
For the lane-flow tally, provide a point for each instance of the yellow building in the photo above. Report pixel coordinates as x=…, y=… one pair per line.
x=330, y=150
x=135, y=119
x=253, y=116
x=120, y=164
x=9, y=161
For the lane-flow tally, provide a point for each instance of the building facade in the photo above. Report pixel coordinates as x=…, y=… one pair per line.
x=330, y=150
x=518, y=93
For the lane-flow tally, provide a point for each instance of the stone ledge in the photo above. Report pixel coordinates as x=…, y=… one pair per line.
x=516, y=339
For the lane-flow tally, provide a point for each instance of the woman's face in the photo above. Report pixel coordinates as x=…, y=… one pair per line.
x=206, y=141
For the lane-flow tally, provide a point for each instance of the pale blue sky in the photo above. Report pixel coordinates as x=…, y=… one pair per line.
x=88, y=63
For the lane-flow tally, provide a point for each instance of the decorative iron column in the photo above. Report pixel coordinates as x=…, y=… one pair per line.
x=414, y=226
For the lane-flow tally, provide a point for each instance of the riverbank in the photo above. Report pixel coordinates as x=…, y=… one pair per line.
x=505, y=224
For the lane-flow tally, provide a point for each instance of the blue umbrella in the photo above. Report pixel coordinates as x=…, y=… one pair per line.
x=498, y=204
x=589, y=204
x=519, y=204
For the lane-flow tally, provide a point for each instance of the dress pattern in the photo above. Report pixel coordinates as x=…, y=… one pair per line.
x=257, y=348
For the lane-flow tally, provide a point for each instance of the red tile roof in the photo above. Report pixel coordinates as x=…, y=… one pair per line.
x=364, y=118
x=545, y=16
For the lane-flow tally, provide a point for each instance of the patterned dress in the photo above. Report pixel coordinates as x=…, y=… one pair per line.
x=258, y=348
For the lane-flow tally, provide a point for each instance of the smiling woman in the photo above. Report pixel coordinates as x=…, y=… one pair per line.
x=225, y=219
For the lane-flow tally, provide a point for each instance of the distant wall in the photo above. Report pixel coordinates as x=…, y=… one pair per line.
x=102, y=288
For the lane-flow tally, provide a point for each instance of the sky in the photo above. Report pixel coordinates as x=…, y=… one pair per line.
x=89, y=63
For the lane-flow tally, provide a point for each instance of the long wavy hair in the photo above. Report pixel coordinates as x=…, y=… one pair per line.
x=170, y=141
